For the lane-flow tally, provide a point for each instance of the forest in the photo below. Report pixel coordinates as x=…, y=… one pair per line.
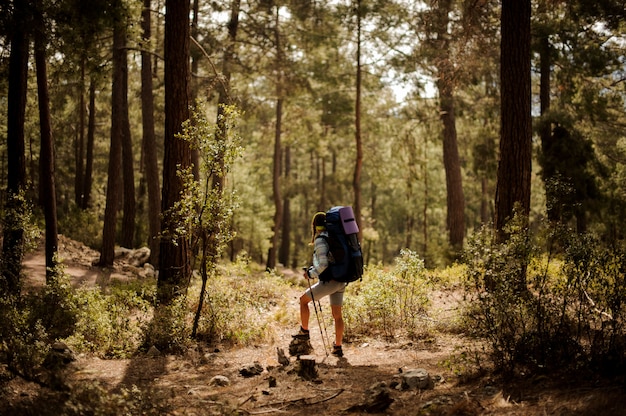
x=480, y=143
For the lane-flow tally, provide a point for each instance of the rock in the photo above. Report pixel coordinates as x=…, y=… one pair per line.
x=377, y=399
x=282, y=358
x=62, y=349
x=376, y=386
x=298, y=347
x=59, y=355
x=417, y=379
x=121, y=252
x=153, y=352
x=55, y=366
x=139, y=257
x=219, y=381
x=147, y=272
x=207, y=358
x=5, y=373
x=251, y=370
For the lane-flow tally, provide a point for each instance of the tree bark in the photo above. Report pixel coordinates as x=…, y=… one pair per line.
x=151, y=163
x=107, y=253
x=128, y=219
x=452, y=165
x=358, y=163
x=91, y=133
x=455, y=219
x=425, y=205
x=13, y=244
x=276, y=191
x=306, y=368
x=285, y=241
x=174, y=264
x=514, y=167
x=194, y=84
x=80, y=140
x=545, y=130
x=46, y=155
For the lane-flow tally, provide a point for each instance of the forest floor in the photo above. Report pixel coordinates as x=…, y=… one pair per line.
x=184, y=384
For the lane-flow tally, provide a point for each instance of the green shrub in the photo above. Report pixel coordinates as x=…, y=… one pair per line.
x=570, y=311
x=169, y=330
x=24, y=341
x=55, y=305
x=110, y=324
x=497, y=310
x=594, y=293
x=241, y=308
x=389, y=301
x=32, y=322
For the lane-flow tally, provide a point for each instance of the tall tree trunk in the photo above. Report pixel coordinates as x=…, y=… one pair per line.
x=174, y=262
x=545, y=128
x=544, y=83
x=91, y=133
x=411, y=178
x=276, y=191
x=425, y=234
x=128, y=219
x=285, y=241
x=46, y=155
x=80, y=140
x=358, y=164
x=107, y=253
x=321, y=179
x=452, y=165
x=151, y=163
x=514, y=168
x=13, y=244
x=194, y=84
x=455, y=219
x=158, y=26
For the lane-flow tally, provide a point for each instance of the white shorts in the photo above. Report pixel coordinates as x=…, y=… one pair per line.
x=333, y=289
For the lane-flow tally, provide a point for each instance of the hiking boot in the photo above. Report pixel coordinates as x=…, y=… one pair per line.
x=303, y=335
x=337, y=351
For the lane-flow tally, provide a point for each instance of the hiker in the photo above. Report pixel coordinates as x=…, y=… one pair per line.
x=324, y=287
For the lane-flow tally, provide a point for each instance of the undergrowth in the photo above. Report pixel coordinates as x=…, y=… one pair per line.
x=534, y=309
x=390, y=301
x=560, y=308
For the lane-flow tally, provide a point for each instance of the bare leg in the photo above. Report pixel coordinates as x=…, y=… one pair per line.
x=304, y=311
x=338, y=317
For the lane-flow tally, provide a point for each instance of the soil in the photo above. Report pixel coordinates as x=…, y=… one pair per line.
x=366, y=380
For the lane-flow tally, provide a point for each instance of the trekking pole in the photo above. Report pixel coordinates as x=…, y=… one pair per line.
x=324, y=342
x=324, y=322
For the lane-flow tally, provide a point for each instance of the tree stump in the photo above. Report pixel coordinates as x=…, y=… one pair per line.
x=306, y=368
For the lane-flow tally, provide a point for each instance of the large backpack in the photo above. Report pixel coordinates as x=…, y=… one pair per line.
x=346, y=263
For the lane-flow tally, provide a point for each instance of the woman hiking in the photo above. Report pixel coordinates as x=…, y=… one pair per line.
x=325, y=286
